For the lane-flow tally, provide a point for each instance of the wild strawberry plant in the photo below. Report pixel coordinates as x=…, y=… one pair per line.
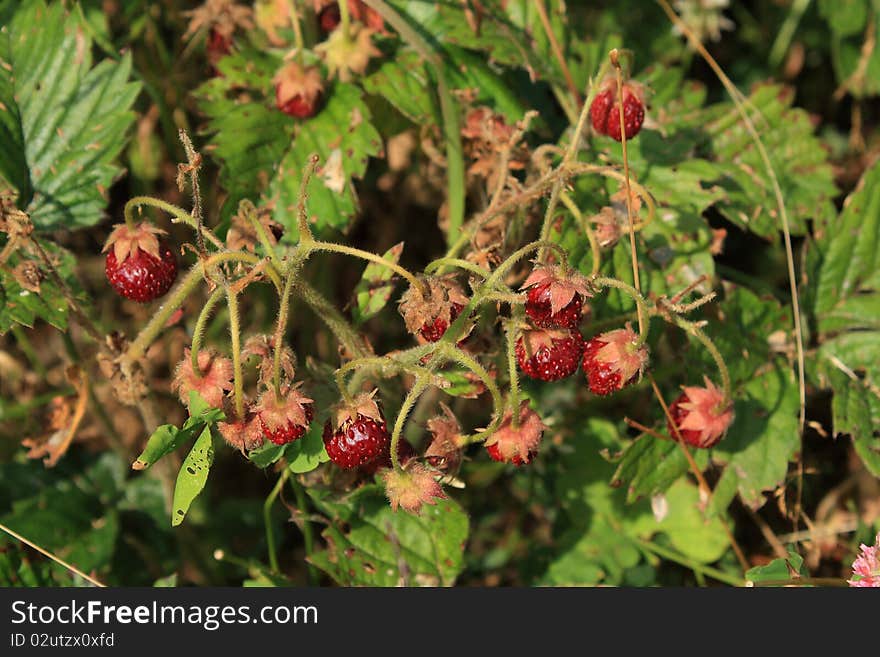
x=497, y=292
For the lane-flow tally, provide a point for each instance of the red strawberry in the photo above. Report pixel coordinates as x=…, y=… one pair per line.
x=329, y=17
x=613, y=359
x=218, y=46
x=549, y=354
x=430, y=309
x=605, y=110
x=298, y=90
x=555, y=296
x=284, y=419
x=518, y=444
x=702, y=415
x=139, y=265
x=358, y=433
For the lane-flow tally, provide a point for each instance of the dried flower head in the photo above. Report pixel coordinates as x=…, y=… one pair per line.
x=412, y=487
x=517, y=445
x=212, y=381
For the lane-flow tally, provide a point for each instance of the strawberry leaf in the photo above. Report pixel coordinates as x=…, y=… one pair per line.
x=63, y=121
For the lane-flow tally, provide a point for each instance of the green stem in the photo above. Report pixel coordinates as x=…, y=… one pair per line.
x=267, y=519
x=170, y=208
x=439, y=263
x=334, y=320
x=283, y=311
x=518, y=255
x=512, y=330
x=450, y=352
x=344, y=18
x=201, y=322
x=306, y=526
x=412, y=397
x=370, y=257
x=641, y=305
x=235, y=333
x=670, y=555
x=390, y=366
x=177, y=296
x=584, y=223
x=694, y=330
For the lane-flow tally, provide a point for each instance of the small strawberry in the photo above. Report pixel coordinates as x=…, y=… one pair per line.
x=702, y=415
x=412, y=487
x=139, y=265
x=549, y=354
x=605, y=110
x=243, y=433
x=555, y=296
x=358, y=433
x=517, y=445
x=430, y=309
x=444, y=451
x=613, y=359
x=284, y=419
x=329, y=17
x=298, y=90
x=212, y=381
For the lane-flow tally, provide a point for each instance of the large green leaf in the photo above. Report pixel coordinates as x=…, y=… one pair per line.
x=385, y=548
x=763, y=438
x=63, y=121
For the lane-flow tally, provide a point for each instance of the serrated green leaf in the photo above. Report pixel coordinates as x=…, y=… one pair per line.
x=849, y=277
x=763, y=438
x=192, y=476
x=386, y=548
x=855, y=411
x=64, y=121
x=374, y=289
x=405, y=83
x=649, y=466
x=343, y=155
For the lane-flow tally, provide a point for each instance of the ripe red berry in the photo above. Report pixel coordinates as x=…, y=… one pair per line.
x=613, y=359
x=329, y=17
x=139, y=265
x=516, y=445
x=555, y=296
x=357, y=433
x=605, y=110
x=285, y=417
x=433, y=331
x=549, y=355
x=701, y=414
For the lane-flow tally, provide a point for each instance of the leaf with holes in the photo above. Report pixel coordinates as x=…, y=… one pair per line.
x=63, y=121
x=192, y=476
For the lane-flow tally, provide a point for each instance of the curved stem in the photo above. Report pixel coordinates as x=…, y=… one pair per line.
x=512, y=330
x=450, y=352
x=170, y=208
x=370, y=257
x=618, y=69
x=334, y=320
x=669, y=555
x=519, y=254
x=412, y=397
x=201, y=322
x=184, y=288
x=641, y=304
x=283, y=310
x=584, y=223
x=235, y=333
x=439, y=263
x=694, y=330
x=390, y=365
x=344, y=18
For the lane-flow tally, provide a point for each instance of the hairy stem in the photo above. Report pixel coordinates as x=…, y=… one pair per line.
x=641, y=304
x=267, y=519
x=283, y=310
x=334, y=320
x=412, y=397
x=201, y=323
x=370, y=257
x=235, y=334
